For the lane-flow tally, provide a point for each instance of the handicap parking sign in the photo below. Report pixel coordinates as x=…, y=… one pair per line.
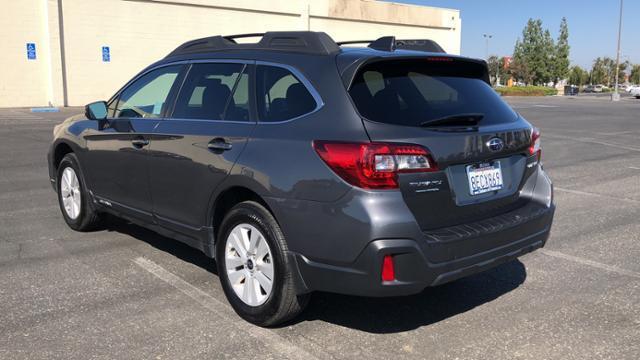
x=106, y=54
x=31, y=51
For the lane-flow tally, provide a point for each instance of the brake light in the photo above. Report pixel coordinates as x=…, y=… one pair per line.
x=535, y=147
x=440, y=59
x=388, y=271
x=374, y=165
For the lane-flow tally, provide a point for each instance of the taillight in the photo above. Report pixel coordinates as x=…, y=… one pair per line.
x=374, y=165
x=388, y=271
x=535, y=147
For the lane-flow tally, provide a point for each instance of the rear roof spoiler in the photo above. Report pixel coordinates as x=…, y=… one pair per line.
x=389, y=43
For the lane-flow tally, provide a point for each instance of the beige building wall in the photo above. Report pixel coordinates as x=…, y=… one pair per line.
x=22, y=81
x=363, y=20
x=139, y=32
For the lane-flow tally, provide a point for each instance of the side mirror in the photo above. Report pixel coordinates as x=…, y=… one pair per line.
x=96, y=110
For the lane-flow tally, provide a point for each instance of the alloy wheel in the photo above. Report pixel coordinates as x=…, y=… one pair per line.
x=249, y=264
x=70, y=193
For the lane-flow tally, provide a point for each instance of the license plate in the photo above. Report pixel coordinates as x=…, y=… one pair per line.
x=484, y=177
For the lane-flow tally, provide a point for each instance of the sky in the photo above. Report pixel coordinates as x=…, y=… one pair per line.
x=593, y=25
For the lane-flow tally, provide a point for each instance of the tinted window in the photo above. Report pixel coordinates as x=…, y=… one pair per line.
x=111, y=107
x=207, y=93
x=147, y=96
x=410, y=92
x=281, y=96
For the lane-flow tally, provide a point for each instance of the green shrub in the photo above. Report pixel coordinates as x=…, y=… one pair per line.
x=526, y=91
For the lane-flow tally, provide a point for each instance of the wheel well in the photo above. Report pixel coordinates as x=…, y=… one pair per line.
x=229, y=198
x=61, y=150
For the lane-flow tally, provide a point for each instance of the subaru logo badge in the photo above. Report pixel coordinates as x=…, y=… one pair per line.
x=495, y=144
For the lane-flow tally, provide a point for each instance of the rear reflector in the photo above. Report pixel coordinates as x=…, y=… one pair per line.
x=374, y=165
x=388, y=272
x=535, y=147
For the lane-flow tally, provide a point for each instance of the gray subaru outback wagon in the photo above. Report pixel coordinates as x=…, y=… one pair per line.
x=301, y=164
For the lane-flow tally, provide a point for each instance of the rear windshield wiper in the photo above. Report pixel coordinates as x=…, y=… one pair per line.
x=468, y=119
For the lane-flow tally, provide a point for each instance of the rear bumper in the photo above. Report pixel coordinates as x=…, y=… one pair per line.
x=342, y=249
x=413, y=260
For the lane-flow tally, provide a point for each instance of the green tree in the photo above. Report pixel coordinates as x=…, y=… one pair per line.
x=623, y=71
x=578, y=76
x=561, y=53
x=497, y=69
x=604, y=71
x=548, y=59
x=518, y=68
x=600, y=71
x=533, y=55
x=586, y=76
x=608, y=70
x=634, y=78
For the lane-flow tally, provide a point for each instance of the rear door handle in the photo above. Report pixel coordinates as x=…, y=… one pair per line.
x=139, y=142
x=219, y=145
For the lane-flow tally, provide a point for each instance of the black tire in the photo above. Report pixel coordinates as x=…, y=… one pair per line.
x=282, y=304
x=88, y=219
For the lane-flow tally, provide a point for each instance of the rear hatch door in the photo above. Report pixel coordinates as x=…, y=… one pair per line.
x=445, y=104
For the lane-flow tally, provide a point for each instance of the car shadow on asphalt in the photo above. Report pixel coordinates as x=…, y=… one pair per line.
x=373, y=315
x=434, y=304
x=174, y=247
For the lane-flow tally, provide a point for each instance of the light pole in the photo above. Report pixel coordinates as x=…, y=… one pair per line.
x=486, y=38
x=486, y=51
x=616, y=95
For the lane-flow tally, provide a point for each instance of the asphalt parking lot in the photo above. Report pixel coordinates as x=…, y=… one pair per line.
x=126, y=292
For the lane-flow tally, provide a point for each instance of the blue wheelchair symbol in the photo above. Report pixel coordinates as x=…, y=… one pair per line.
x=106, y=54
x=31, y=51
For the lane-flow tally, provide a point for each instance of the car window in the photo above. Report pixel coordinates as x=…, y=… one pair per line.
x=147, y=96
x=111, y=107
x=374, y=81
x=431, y=88
x=214, y=91
x=281, y=95
x=410, y=92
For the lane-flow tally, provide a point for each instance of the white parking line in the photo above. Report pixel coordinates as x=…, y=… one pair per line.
x=19, y=212
x=592, y=141
x=634, y=167
x=578, y=192
x=533, y=106
x=616, y=133
x=595, y=264
x=278, y=344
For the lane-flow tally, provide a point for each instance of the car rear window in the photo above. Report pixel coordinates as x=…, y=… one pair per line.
x=412, y=92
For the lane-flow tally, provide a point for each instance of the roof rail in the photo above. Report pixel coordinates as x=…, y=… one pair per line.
x=306, y=42
x=233, y=38
x=389, y=43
